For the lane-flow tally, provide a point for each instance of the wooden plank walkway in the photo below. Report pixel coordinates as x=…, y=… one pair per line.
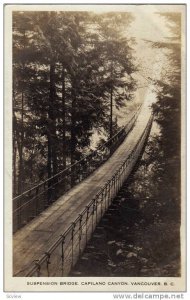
x=30, y=242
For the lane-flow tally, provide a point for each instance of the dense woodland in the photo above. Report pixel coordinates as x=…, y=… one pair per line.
x=70, y=71
x=167, y=110
x=140, y=235
x=69, y=68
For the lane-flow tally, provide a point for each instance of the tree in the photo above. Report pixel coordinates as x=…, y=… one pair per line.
x=167, y=112
x=68, y=68
x=24, y=52
x=117, y=60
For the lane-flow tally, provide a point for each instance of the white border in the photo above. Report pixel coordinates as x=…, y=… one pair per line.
x=81, y=295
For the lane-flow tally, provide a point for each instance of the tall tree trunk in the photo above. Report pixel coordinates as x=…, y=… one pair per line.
x=52, y=141
x=14, y=125
x=49, y=165
x=20, y=175
x=53, y=118
x=20, y=172
x=73, y=137
x=64, y=157
x=17, y=148
x=111, y=102
x=14, y=165
x=73, y=133
x=111, y=112
x=63, y=119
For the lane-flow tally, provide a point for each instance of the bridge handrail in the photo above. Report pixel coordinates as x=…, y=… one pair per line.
x=62, y=237
x=32, y=202
x=93, y=153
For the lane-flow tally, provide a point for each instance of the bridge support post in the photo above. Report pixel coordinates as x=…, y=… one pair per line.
x=114, y=191
x=101, y=203
x=106, y=202
x=87, y=217
x=96, y=209
x=47, y=262
x=72, y=246
x=116, y=183
x=62, y=254
x=93, y=209
x=38, y=266
x=80, y=232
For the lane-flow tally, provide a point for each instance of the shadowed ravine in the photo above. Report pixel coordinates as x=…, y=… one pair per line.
x=59, y=234
x=134, y=238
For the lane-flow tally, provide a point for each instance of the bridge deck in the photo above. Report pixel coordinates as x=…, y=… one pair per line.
x=35, y=238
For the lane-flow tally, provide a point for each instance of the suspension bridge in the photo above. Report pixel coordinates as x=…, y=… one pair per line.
x=53, y=221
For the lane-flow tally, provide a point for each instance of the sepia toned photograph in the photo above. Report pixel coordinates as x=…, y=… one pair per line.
x=95, y=160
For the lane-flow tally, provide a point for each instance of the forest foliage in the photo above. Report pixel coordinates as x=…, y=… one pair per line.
x=68, y=70
x=166, y=147
x=140, y=234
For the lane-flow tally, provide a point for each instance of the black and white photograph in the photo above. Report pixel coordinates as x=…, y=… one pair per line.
x=95, y=137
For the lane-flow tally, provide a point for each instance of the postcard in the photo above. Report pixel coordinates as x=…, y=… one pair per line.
x=94, y=113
